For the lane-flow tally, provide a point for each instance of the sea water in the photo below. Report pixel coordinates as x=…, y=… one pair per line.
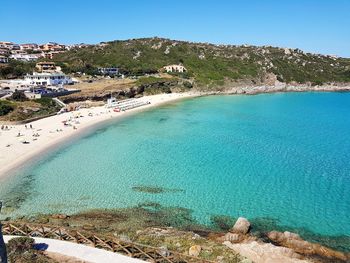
x=283, y=156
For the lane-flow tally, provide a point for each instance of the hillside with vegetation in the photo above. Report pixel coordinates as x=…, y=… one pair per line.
x=15, y=69
x=19, y=108
x=207, y=64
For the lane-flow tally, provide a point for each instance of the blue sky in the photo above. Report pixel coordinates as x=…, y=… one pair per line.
x=319, y=26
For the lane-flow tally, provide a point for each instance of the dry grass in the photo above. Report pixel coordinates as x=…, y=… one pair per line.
x=104, y=85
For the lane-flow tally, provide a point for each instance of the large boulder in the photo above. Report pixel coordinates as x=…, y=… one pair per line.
x=242, y=226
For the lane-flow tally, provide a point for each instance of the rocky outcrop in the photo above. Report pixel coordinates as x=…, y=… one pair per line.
x=281, y=87
x=239, y=240
x=100, y=96
x=260, y=252
x=284, y=246
x=234, y=238
x=295, y=242
x=238, y=233
x=242, y=226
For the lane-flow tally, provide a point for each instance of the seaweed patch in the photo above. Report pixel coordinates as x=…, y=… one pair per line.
x=155, y=189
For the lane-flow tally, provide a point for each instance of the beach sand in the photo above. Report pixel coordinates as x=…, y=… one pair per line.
x=14, y=153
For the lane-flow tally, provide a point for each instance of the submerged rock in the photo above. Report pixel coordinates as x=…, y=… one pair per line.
x=154, y=189
x=242, y=226
x=59, y=216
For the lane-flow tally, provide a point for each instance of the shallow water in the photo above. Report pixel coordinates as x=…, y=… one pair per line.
x=278, y=156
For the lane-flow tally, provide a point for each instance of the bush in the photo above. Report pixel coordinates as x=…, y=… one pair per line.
x=19, y=96
x=19, y=245
x=188, y=85
x=21, y=250
x=5, y=107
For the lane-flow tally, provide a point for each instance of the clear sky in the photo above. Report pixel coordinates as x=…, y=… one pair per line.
x=320, y=26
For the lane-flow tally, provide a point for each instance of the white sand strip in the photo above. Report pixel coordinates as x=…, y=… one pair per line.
x=52, y=132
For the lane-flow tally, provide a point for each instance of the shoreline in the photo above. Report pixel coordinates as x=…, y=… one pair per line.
x=90, y=124
x=18, y=154
x=53, y=134
x=280, y=88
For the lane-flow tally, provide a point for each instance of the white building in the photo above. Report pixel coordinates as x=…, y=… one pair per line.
x=47, y=79
x=47, y=67
x=25, y=57
x=4, y=59
x=6, y=44
x=22, y=52
x=175, y=68
x=31, y=46
x=108, y=71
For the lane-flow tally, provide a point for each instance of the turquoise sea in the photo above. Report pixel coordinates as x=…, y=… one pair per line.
x=282, y=156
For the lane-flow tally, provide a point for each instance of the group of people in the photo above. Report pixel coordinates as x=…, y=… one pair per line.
x=5, y=128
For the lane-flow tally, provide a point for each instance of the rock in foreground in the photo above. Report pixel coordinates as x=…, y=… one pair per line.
x=295, y=242
x=242, y=226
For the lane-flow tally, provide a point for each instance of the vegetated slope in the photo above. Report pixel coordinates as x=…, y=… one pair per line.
x=15, y=69
x=208, y=63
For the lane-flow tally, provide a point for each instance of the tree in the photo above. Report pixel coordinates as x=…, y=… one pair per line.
x=19, y=96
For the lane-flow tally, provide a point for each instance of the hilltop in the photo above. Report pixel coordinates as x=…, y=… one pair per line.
x=208, y=65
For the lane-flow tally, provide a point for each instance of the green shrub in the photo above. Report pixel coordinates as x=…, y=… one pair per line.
x=6, y=107
x=20, y=250
x=19, y=96
x=15, y=69
x=188, y=85
x=19, y=245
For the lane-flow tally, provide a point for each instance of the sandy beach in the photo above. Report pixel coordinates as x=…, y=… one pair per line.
x=50, y=132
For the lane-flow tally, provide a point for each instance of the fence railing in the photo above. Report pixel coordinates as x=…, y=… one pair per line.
x=109, y=243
